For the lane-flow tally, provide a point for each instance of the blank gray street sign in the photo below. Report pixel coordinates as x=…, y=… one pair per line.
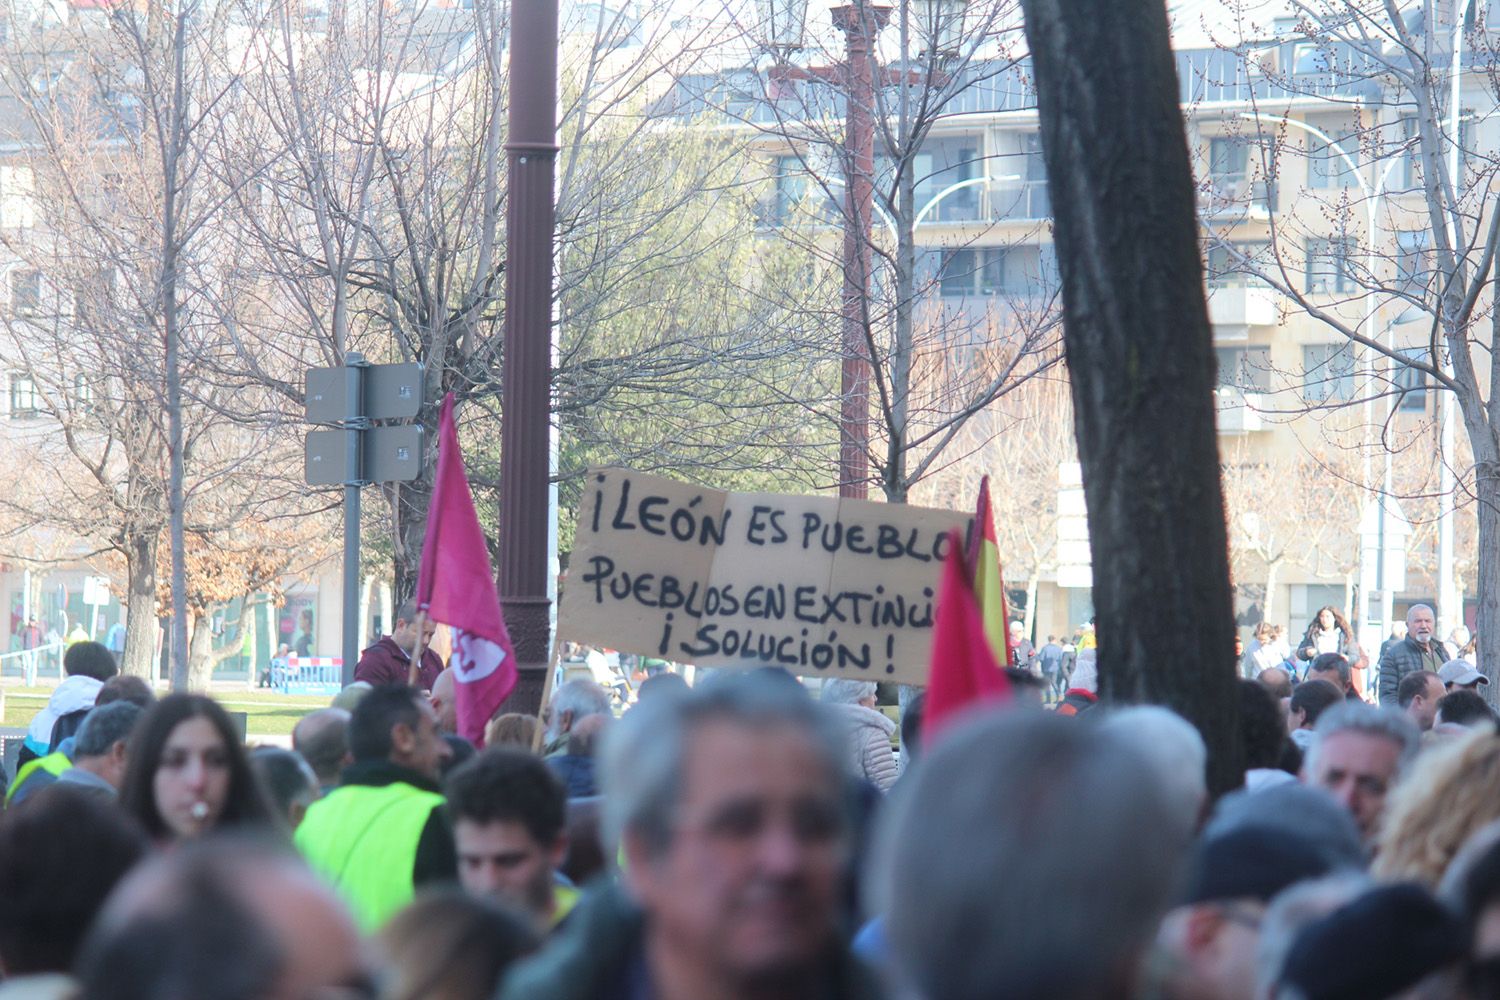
x=390, y=455
x=392, y=392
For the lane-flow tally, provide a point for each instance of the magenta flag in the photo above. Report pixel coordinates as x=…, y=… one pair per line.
x=456, y=586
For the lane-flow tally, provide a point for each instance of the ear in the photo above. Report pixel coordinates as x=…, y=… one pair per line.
x=1202, y=930
x=403, y=738
x=558, y=851
x=117, y=752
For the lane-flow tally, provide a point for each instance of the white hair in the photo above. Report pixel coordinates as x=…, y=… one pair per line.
x=582, y=698
x=1172, y=746
x=846, y=691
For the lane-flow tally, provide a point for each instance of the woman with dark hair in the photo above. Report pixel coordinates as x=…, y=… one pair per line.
x=188, y=772
x=1329, y=632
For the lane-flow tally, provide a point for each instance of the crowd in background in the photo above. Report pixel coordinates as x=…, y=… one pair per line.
x=751, y=835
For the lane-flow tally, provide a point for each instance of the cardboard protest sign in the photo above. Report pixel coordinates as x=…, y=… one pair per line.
x=819, y=585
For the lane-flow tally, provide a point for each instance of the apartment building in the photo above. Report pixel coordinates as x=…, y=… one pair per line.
x=1310, y=198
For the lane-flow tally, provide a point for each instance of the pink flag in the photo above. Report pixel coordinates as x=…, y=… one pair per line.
x=457, y=587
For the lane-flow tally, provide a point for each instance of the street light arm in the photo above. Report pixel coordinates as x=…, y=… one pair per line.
x=1319, y=133
x=945, y=192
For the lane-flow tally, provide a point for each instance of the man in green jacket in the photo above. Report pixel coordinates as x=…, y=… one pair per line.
x=728, y=804
x=384, y=830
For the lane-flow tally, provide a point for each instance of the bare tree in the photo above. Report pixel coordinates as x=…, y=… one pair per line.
x=923, y=368
x=1403, y=231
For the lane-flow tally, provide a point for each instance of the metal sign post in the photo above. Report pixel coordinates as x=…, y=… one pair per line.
x=357, y=454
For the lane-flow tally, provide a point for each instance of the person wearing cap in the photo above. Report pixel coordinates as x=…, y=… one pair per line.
x=1404, y=939
x=1206, y=948
x=1461, y=674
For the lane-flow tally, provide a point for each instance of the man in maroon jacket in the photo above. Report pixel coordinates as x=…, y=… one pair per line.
x=389, y=660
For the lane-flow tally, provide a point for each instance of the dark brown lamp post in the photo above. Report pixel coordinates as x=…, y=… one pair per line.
x=531, y=151
x=782, y=24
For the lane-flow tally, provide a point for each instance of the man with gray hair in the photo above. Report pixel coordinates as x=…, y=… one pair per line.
x=389, y=660
x=727, y=804
x=100, y=750
x=1173, y=746
x=1420, y=650
x=1031, y=859
x=1357, y=754
x=571, y=704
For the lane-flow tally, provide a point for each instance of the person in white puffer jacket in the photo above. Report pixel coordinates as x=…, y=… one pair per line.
x=870, y=753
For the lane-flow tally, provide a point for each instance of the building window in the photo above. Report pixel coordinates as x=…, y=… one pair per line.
x=1413, y=263
x=22, y=395
x=1239, y=263
x=1016, y=271
x=25, y=291
x=1326, y=166
x=1329, y=267
x=1245, y=368
x=1411, y=382
x=939, y=165
x=1328, y=372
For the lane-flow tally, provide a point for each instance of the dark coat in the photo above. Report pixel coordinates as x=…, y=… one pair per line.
x=1405, y=657
x=387, y=663
x=600, y=955
x=576, y=774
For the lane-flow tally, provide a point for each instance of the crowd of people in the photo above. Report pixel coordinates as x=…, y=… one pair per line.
x=753, y=836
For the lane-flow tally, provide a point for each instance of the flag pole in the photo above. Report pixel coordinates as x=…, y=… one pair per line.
x=415, y=670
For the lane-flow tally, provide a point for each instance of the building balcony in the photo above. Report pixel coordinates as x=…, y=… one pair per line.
x=1235, y=306
x=1234, y=197
x=1023, y=202
x=1239, y=411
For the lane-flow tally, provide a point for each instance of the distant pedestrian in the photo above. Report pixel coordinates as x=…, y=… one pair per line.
x=872, y=757
x=1420, y=650
x=389, y=660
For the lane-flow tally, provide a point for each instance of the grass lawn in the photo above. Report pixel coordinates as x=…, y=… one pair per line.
x=270, y=714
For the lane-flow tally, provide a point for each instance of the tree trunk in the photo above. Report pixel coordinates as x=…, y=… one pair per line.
x=140, y=607
x=200, y=653
x=1033, y=582
x=1487, y=575
x=1273, y=569
x=1140, y=352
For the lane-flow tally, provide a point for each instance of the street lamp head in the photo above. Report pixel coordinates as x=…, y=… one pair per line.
x=781, y=23
x=941, y=25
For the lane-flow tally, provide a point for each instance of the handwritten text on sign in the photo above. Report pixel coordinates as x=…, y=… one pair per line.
x=818, y=585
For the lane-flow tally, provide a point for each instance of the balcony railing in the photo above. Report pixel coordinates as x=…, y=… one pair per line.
x=1228, y=196
x=1239, y=411
x=1024, y=202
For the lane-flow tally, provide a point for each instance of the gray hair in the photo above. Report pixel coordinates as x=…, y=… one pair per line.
x=105, y=726
x=1072, y=853
x=1289, y=913
x=642, y=757
x=1357, y=717
x=1419, y=607
x=1172, y=746
x=406, y=611
x=582, y=697
x=846, y=691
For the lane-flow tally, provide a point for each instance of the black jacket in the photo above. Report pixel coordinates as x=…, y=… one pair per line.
x=600, y=955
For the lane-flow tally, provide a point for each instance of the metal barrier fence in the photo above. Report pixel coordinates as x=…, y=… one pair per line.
x=308, y=675
x=27, y=663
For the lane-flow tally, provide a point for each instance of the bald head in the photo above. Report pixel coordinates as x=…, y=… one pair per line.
x=322, y=738
x=226, y=917
x=442, y=698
